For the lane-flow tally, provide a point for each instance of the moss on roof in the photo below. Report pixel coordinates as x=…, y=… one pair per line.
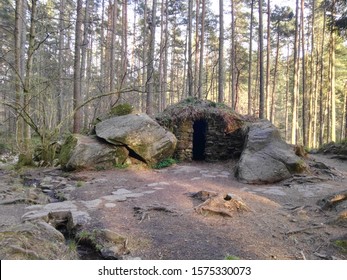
x=194, y=109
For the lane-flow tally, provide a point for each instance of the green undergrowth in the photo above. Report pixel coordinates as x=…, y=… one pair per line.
x=341, y=245
x=231, y=258
x=79, y=184
x=90, y=237
x=164, y=163
x=121, y=165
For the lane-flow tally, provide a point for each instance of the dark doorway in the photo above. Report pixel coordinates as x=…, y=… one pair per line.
x=199, y=139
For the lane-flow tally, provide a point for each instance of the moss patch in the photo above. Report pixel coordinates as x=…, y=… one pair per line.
x=298, y=167
x=232, y=258
x=66, y=150
x=24, y=160
x=341, y=245
x=121, y=110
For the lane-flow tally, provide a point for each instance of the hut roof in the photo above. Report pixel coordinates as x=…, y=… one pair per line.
x=194, y=109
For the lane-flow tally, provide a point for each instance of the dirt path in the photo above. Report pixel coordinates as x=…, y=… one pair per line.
x=155, y=210
x=160, y=220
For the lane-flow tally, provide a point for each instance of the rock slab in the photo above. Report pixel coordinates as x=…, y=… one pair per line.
x=140, y=134
x=88, y=152
x=266, y=158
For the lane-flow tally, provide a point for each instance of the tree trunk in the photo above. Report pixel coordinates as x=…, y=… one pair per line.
x=261, y=63
x=78, y=115
x=87, y=119
x=60, y=92
x=163, y=56
x=296, y=76
x=150, y=66
x=103, y=75
x=196, y=60
x=221, y=54
x=173, y=59
x=144, y=57
x=112, y=74
x=84, y=46
x=166, y=54
x=233, y=56
x=124, y=56
x=250, y=59
x=304, y=113
x=273, y=92
x=88, y=72
x=27, y=81
x=186, y=82
x=313, y=99
x=345, y=112
x=344, y=116
x=19, y=63
x=84, y=52
x=202, y=43
x=287, y=97
x=333, y=74
x=321, y=90
x=268, y=62
x=190, y=70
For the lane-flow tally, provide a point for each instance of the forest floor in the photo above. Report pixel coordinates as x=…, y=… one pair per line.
x=161, y=219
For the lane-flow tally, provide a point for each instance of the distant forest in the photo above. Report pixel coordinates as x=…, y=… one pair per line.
x=63, y=63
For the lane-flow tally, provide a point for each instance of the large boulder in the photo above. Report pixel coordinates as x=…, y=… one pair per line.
x=266, y=158
x=88, y=152
x=34, y=240
x=140, y=134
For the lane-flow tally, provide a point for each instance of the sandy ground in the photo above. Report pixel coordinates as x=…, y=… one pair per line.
x=155, y=211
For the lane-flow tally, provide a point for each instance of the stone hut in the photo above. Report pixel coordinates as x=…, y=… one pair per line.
x=205, y=130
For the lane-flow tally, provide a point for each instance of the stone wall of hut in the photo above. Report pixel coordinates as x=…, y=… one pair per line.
x=222, y=146
x=184, y=134
x=219, y=145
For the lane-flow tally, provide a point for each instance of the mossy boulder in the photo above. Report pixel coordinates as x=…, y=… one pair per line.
x=35, y=240
x=89, y=152
x=143, y=136
x=267, y=158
